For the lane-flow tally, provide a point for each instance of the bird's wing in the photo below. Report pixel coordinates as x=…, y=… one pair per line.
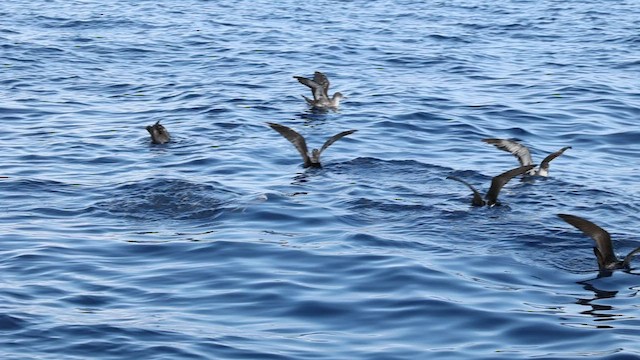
x=627, y=259
x=477, y=197
x=309, y=101
x=516, y=149
x=499, y=181
x=599, y=235
x=316, y=89
x=544, y=165
x=333, y=139
x=296, y=139
x=323, y=81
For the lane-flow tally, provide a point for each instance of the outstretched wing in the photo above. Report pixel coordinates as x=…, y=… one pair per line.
x=544, y=165
x=296, y=139
x=333, y=139
x=323, y=81
x=316, y=89
x=499, y=181
x=604, y=248
x=516, y=149
x=477, y=197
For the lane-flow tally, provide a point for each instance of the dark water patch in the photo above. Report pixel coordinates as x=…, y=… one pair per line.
x=23, y=191
x=629, y=39
x=11, y=323
x=8, y=31
x=89, y=301
x=113, y=340
x=366, y=167
x=39, y=291
x=633, y=64
x=373, y=210
x=159, y=199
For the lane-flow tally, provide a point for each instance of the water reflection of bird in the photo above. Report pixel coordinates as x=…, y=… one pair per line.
x=598, y=310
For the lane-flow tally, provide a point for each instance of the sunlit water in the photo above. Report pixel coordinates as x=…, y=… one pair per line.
x=219, y=245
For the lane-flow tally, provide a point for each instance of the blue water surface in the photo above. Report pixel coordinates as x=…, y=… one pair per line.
x=220, y=245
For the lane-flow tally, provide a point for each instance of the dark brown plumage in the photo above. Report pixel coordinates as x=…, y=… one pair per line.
x=320, y=91
x=523, y=155
x=497, y=183
x=159, y=134
x=607, y=259
x=313, y=159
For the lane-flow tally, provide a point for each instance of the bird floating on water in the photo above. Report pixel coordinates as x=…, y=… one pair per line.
x=497, y=183
x=524, y=156
x=159, y=135
x=320, y=91
x=607, y=259
x=310, y=159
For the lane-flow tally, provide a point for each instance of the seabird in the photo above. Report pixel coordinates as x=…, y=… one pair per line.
x=320, y=90
x=159, y=135
x=607, y=259
x=496, y=185
x=524, y=156
x=313, y=159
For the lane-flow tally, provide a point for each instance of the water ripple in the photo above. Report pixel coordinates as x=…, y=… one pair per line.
x=220, y=244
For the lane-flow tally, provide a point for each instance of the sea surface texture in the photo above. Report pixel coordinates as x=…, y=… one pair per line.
x=220, y=245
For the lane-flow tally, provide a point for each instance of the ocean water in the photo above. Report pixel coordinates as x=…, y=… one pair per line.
x=220, y=245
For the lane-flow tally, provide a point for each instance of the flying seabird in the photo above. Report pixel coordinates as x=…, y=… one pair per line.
x=313, y=159
x=496, y=185
x=159, y=135
x=607, y=259
x=524, y=156
x=320, y=90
